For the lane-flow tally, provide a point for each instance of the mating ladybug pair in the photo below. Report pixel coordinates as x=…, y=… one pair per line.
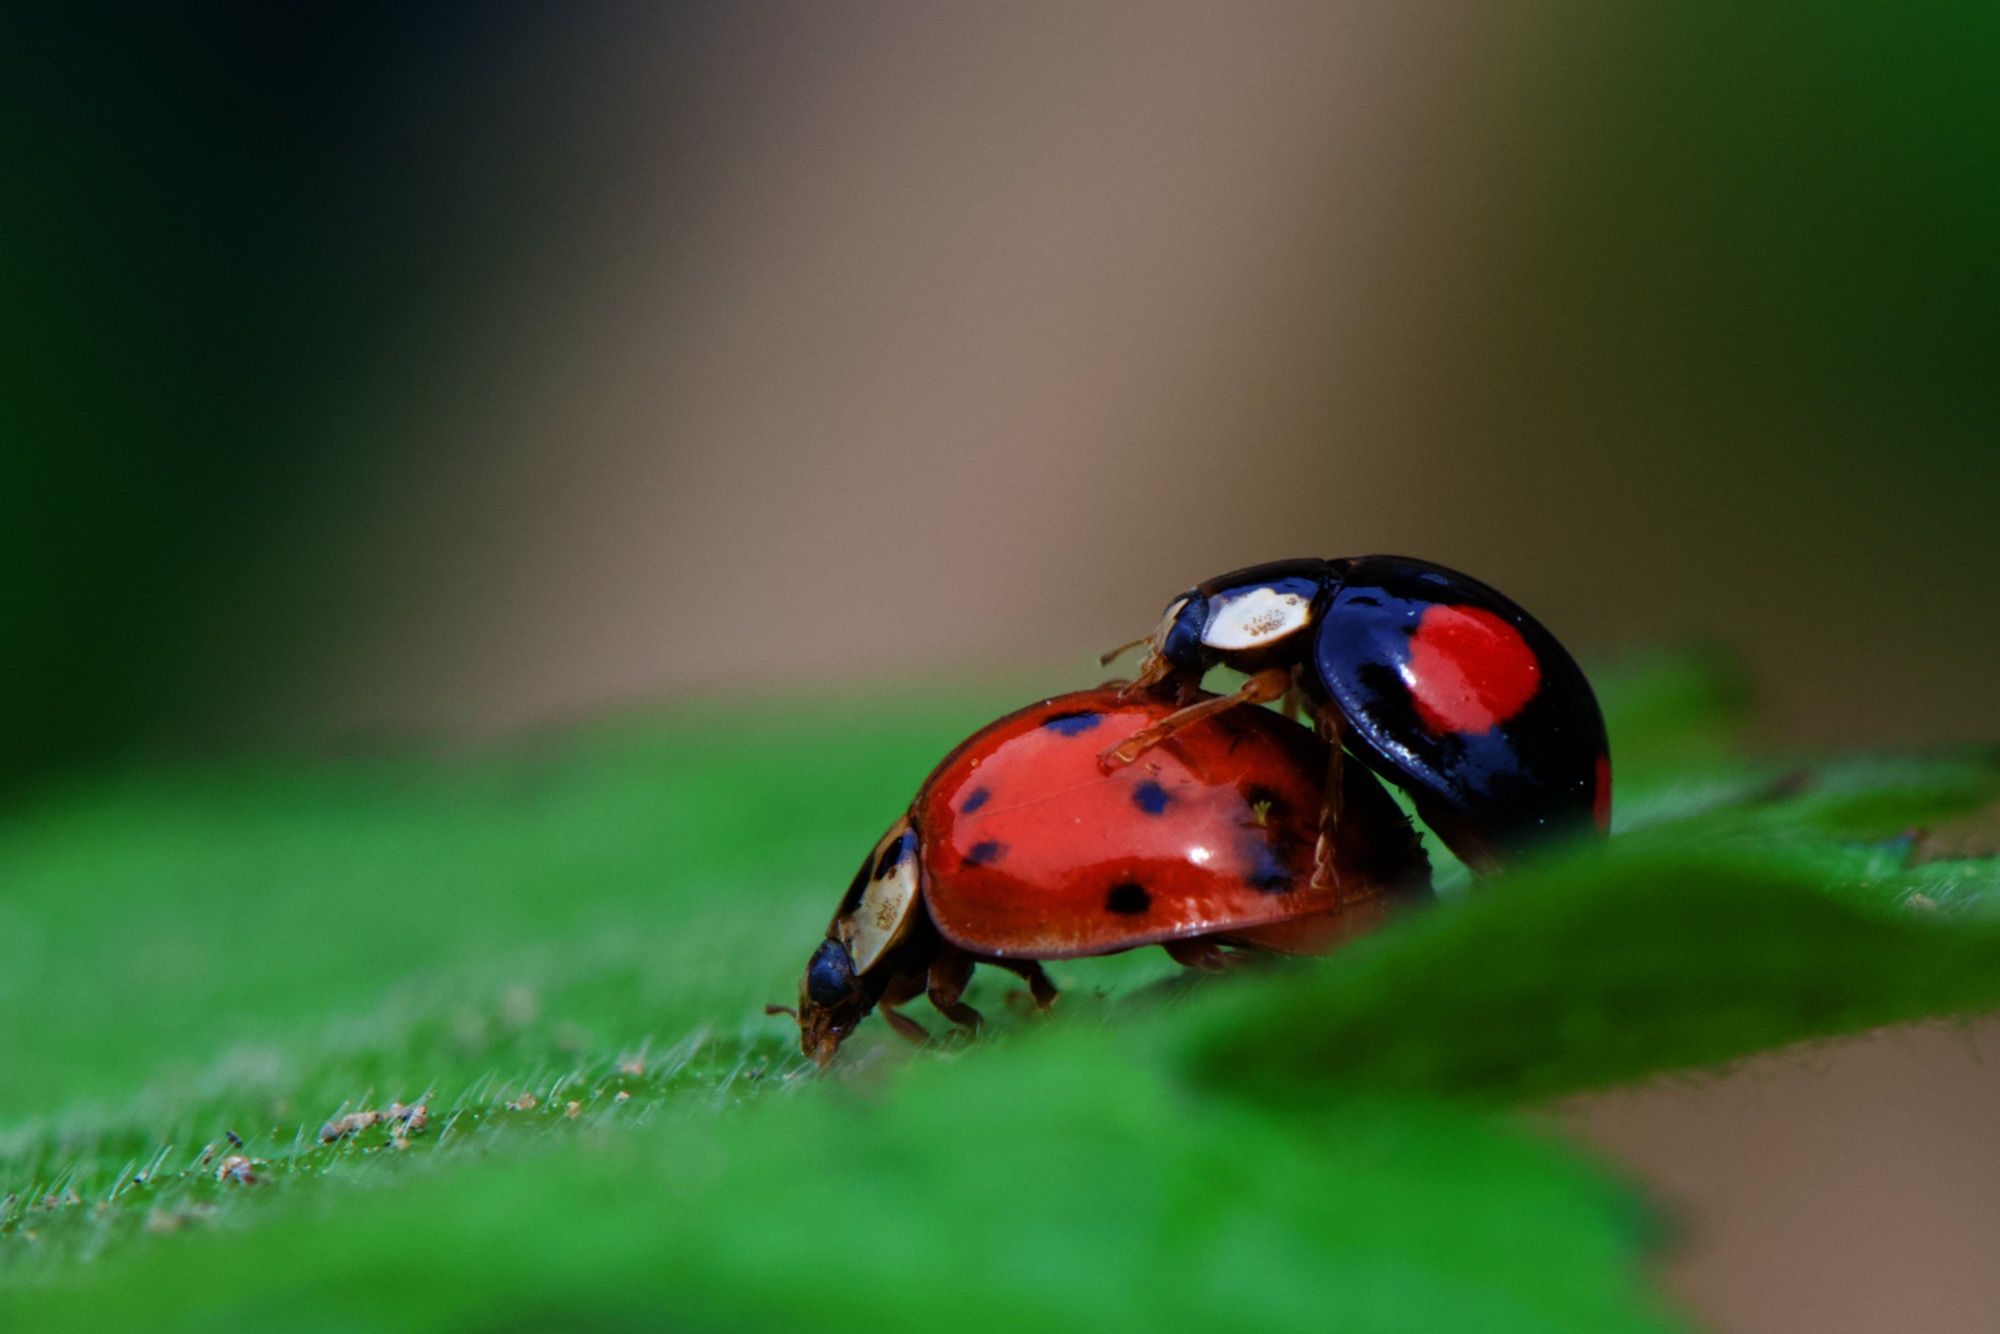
x=1156, y=813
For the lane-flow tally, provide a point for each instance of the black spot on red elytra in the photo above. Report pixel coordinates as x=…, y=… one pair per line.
x=1074, y=723
x=984, y=854
x=973, y=800
x=1128, y=899
x=1267, y=873
x=1150, y=797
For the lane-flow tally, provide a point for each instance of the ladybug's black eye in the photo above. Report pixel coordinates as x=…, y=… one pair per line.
x=830, y=975
x=1181, y=645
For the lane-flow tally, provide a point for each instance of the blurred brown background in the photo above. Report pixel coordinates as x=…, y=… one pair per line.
x=381, y=370
x=459, y=369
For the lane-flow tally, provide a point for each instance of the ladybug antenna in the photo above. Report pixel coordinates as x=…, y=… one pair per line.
x=781, y=1009
x=1140, y=642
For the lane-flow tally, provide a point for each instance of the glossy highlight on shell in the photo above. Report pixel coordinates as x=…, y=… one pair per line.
x=1023, y=846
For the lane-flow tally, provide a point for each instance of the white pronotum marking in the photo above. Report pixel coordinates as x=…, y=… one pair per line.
x=1253, y=617
x=888, y=904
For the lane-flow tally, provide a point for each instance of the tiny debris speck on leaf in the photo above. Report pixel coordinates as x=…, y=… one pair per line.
x=402, y=1120
x=236, y=1167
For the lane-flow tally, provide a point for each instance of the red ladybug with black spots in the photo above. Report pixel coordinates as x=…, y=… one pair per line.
x=1440, y=684
x=1021, y=847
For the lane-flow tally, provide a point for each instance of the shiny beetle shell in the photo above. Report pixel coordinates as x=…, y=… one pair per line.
x=1023, y=846
x=1452, y=691
x=1442, y=685
x=1029, y=850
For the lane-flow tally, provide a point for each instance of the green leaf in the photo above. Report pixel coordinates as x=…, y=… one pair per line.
x=1597, y=970
x=1051, y=1183
x=562, y=949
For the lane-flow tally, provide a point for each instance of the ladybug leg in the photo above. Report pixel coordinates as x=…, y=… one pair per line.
x=904, y=1025
x=1326, y=854
x=1107, y=659
x=1262, y=688
x=1029, y=971
x=1295, y=705
x=1201, y=953
x=1467, y=841
x=950, y=971
x=901, y=990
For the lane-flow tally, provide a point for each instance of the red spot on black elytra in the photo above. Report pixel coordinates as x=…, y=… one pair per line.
x=1128, y=899
x=1600, y=801
x=1468, y=670
x=984, y=854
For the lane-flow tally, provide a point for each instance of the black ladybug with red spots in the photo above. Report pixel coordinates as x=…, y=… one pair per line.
x=1440, y=684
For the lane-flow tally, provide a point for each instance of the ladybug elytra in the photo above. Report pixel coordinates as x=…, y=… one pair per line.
x=1020, y=846
x=1441, y=685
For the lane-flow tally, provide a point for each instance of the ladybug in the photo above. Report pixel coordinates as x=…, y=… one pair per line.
x=1020, y=847
x=1440, y=684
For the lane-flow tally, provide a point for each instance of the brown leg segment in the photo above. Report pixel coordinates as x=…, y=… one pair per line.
x=1467, y=841
x=1262, y=688
x=950, y=971
x=1326, y=854
x=899, y=991
x=905, y=1025
x=1029, y=971
x=1107, y=659
x=1200, y=952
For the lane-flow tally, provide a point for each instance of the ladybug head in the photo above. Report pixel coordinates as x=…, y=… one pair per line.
x=1176, y=647
x=829, y=977
x=866, y=944
x=831, y=1001
x=1246, y=619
